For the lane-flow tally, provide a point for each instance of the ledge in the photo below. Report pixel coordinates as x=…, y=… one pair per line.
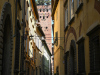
x=81, y=73
x=66, y=28
x=81, y=38
x=79, y=8
x=94, y=73
x=71, y=20
x=93, y=27
x=54, y=7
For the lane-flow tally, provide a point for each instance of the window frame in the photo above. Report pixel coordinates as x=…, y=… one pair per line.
x=81, y=45
x=79, y=2
x=66, y=16
x=71, y=11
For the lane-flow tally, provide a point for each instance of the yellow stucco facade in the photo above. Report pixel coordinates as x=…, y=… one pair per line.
x=78, y=21
x=86, y=18
x=59, y=48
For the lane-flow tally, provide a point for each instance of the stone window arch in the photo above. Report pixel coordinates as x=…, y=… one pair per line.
x=6, y=41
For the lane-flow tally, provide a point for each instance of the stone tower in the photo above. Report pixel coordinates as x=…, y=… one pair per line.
x=45, y=22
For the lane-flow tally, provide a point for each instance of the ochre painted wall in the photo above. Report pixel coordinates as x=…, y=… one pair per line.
x=87, y=16
x=59, y=27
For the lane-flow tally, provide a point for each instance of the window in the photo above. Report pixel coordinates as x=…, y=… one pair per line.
x=30, y=13
x=94, y=48
x=47, y=10
x=46, y=27
x=94, y=45
x=43, y=10
x=36, y=71
x=81, y=57
x=43, y=17
x=34, y=55
x=30, y=19
x=79, y=2
x=26, y=45
x=66, y=16
x=27, y=4
x=56, y=38
x=71, y=9
x=40, y=10
x=17, y=48
x=66, y=63
x=29, y=49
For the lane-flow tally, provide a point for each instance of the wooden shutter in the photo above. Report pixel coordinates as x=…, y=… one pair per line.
x=94, y=45
x=17, y=48
x=81, y=57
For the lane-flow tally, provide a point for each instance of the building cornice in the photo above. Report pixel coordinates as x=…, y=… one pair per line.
x=46, y=47
x=40, y=30
x=34, y=7
x=54, y=7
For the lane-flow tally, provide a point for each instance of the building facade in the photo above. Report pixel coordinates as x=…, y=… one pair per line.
x=31, y=18
x=82, y=37
x=57, y=15
x=12, y=24
x=46, y=59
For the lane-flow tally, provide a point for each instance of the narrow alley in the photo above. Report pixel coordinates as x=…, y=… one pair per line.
x=50, y=37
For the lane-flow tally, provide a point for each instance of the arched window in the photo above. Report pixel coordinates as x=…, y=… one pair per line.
x=47, y=10
x=43, y=10
x=40, y=10
x=46, y=27
x=43, y=17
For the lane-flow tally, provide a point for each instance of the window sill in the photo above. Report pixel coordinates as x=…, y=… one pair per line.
x=81, y=74
x=94, y=73
x=66, y=28
x=81, y=38
x=93, y=28
x=71, y=20
x=79, y=8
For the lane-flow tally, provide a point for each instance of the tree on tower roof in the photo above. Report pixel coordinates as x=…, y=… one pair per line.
x=43, y=2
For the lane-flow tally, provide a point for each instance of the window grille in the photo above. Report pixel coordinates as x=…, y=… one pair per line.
x=94, y=45
x=81, y=57
x=17, y=49
x=66, y=63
